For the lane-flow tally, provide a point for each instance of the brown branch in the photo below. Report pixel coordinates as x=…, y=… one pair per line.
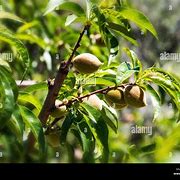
x=79, y=99
x=99, y=91
x=59, y=79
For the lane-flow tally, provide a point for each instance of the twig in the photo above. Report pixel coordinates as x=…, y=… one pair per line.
x=59, y=79
x=99, y=91
x=79, y=99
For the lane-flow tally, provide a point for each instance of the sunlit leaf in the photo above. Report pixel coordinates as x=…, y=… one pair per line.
x=32, y=39
x=99, y=81
x=133, y=15
x=135, y=62
x=119, y=30
x=27, y=26
x=71, y=18
x=37, y=87
x=62, y=4
x=26, y=97
x=8, y=95
x=88, y=9
x=9, y=37
x=165, y=80
x=123, y=73
x=7, y=15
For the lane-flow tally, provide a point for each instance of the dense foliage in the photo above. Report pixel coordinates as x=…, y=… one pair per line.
x=39, y=38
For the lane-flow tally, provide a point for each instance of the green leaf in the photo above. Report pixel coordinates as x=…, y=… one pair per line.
x=27, y=26
x=70, y=19
x=133, y=15
x=16, y=124
x=32, y=39
x=87, y=141
x=88, y=9
x=8, y=95
x=156, y=101
x=123, y=73
x=5, y=64
x=110, y=118
x=135, y=62
x=110, y=40
x=73, y=7
x=52, y=4
x=99, y=129
x=7, y=15
x=9, y=37
x=73, y=18
x=117, y=29
x=107, y=71
x=26, y=97
x=99, y=81
x=62, y=4
x=12, y=82
x=36, y=87
x=76, y=133
x=34, y=124
x=65, y=127
x=159, y=76
x=165, y=80
x=113, y=45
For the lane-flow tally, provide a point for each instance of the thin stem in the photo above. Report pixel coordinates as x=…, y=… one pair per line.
x=80, y=98
x=99, y=91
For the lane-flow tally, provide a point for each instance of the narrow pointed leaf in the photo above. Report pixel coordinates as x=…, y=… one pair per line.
x=34, y=124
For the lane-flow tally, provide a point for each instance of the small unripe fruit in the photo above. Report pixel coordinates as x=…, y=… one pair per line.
x=115, y=98
x=86, y=63
x=59, y=111
x=53, y=139
x=135, y=96
x=94, y=101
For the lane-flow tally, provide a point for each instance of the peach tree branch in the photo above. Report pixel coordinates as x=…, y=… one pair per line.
x=99, y=91
x=58, y=82
x=80, y=99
